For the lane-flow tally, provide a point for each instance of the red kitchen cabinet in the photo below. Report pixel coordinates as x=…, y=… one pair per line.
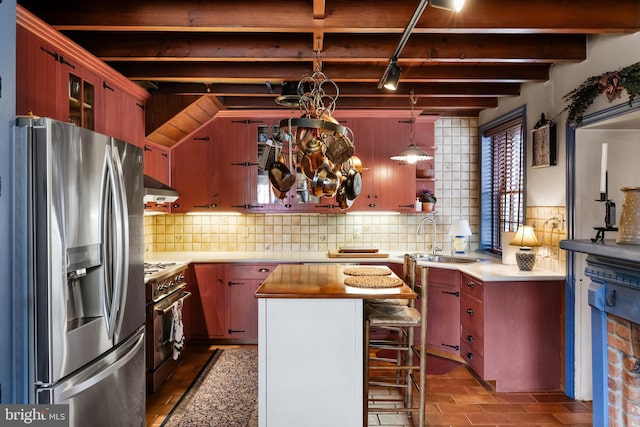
x=37, y=77
x=386, y=184
x=511, y=332
x=224, y=306
x=443, y=316
x=193, y=172
x=243, y=281
x=123, y=116
x=156, y=162
x=57, y=78
x=208, y=305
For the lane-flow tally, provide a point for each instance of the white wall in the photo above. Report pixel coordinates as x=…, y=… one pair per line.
x=547, y=186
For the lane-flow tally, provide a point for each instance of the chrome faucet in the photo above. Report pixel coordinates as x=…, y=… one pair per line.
x=433, y=238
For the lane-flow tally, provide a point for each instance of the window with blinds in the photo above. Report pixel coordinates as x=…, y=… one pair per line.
x=502, y=197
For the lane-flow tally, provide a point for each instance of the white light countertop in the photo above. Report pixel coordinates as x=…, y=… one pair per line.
x=490, y=270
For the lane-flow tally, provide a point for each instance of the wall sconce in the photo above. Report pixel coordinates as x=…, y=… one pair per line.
x=526, y=239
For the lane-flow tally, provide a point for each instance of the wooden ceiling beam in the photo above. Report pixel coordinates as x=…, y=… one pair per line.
x=346, y=89
x=121, y=46
x=372, y=16
x=211, y=72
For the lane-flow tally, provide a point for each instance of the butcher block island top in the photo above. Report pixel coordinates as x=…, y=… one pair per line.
x=328, y=281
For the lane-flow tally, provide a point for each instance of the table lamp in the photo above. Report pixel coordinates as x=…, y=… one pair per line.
x=526, y=239
x=460, y=233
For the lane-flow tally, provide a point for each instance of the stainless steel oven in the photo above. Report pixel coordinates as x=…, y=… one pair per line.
x=166, y=293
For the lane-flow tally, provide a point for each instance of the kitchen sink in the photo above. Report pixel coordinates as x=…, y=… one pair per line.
x=446, y=259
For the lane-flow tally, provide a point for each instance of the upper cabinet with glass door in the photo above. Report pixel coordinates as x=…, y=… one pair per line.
x=81, y=102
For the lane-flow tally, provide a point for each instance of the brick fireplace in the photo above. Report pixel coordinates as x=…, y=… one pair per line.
x=614, y=297
x=623, y=372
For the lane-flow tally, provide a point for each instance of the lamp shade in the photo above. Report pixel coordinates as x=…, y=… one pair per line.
x=525, y=237
x=412, y=154
x=460, y=227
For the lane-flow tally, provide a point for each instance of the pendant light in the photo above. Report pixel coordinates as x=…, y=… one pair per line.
x=412, y=154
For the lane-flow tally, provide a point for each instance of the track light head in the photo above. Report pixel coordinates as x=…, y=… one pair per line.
x=393, y=76
x=452, y=5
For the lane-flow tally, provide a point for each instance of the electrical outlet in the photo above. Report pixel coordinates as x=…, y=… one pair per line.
x=245, y=232
x=366, y=229
x=178, y=238
x=357, y=232
x=323, y=238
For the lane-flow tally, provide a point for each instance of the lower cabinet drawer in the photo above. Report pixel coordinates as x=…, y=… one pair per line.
x=473, y=340
x=471, y=314
x=474, y=359
x=251, y=271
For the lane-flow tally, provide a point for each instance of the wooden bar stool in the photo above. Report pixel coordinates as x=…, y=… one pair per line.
x=399, y=322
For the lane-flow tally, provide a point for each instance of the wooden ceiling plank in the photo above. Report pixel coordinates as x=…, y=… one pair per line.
x=335, y=47
x=586, y=16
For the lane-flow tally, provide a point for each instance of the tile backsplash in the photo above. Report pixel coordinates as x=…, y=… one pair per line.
x=456, y=187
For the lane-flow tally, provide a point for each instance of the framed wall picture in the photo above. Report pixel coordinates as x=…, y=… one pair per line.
x=544, y=146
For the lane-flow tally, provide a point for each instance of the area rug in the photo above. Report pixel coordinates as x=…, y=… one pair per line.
x=224, y=394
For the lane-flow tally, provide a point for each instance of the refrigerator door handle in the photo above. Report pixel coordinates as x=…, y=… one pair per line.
x=123, y=240
x=99, y=372
x=113, y=263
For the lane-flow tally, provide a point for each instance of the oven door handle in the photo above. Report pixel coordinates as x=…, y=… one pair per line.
x=165, y=310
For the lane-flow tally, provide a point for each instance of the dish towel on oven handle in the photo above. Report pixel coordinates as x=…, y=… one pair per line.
x=177, y=329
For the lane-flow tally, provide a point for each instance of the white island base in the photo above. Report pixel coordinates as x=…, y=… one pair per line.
x=310, y=362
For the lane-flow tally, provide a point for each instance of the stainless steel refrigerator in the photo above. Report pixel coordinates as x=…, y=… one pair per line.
x=83, y=201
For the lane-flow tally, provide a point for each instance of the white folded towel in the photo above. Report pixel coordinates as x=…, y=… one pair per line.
x=177, y=330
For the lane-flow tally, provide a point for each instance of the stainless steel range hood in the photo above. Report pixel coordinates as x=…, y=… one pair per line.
x=157, y=192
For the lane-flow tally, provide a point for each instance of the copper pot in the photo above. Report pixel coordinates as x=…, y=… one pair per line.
x=353, y=184
x=325, y=181
x=310, y=163
x=280, y=176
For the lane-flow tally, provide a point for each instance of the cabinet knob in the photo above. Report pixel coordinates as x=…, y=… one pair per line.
x=471, y=285
x=470, y=338
x=470, y=356
x=263, y=270
x=470, y=311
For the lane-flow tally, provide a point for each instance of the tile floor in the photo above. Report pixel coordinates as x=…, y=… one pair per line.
x=454, y=399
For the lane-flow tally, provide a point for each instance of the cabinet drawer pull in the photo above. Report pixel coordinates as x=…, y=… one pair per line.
x=470, y=356
x=471, y=285
x=451, y=293
x=236, y=331
x=455, y=347
x=470, y=311
x=230, y=283
x=201, y=138
x=470, y=338
x=263, y=270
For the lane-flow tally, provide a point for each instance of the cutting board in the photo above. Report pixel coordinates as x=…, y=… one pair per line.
x=334, y=253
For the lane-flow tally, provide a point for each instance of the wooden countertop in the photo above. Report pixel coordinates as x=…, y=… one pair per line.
x=321, y=281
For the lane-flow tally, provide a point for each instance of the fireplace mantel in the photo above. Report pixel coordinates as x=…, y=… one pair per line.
x=614, y=297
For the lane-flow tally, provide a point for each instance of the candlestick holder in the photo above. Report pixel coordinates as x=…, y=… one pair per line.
x=609, y=214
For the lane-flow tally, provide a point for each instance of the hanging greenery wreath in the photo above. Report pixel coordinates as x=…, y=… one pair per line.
x=610, y=83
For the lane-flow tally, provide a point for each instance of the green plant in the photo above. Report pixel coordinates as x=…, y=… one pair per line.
x=610, y=83
x=426, y=196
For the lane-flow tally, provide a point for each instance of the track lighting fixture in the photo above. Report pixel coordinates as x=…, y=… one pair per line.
x=393, y=70
x=393, y=76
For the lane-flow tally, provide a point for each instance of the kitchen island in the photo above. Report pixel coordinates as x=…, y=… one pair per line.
x=310, y=346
